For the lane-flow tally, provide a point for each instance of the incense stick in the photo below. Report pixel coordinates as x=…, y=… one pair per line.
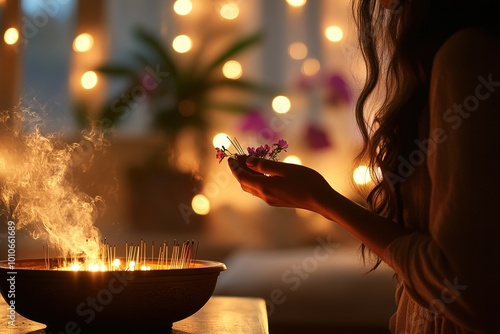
x=236, y=145
x=183, y=255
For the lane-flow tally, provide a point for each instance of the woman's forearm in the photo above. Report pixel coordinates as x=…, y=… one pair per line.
x=375, y=231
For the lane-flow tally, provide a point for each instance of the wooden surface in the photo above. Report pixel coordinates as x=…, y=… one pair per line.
x=220, y=315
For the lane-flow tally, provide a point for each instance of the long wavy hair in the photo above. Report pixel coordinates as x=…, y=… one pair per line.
x=398, y=47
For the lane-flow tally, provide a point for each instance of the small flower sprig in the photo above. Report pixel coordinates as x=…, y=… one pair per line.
x=263, y=151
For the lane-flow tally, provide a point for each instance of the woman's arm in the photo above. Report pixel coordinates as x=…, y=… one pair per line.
x=300, y=187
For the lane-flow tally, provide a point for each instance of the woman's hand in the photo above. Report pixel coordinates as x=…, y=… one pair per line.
x=288, y=185
x=280, y=184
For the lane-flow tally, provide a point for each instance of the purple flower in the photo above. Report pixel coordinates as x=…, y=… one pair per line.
x=220, y=154
x=282, y=144
x=253, y=121
x=317, y=138
x=338, y=90
x=262, y=151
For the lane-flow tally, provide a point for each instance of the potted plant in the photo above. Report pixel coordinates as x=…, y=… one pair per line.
x=178, y=91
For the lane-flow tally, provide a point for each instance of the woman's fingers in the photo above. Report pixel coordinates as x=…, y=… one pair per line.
x=244, y=175
x=238, y=167
x=279, y=184
x=265, y=166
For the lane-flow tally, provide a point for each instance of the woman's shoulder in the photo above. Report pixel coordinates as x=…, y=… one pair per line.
x=469, y=49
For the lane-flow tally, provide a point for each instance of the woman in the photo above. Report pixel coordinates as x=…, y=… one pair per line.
x=433, y=216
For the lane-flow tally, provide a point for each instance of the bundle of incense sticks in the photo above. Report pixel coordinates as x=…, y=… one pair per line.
x=237, y=146
x=136, y=257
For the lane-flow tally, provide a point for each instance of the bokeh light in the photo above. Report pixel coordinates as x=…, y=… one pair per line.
x=310, y=67
x=334, y=33
x=200, y=204
x=11, y=36
x=296, y=3
x=281, y=104
x=361, y=175
x=183, y=7
x=297, y=50
x=89, y=80
x=229, y=11
x=221, y=139
x=293, y=159
x=83, y=42
x=232, y=69
x=182, y=44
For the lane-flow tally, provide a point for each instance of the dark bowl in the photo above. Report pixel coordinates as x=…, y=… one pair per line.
x=84, y=301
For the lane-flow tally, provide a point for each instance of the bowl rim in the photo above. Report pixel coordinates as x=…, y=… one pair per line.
x=207, y=265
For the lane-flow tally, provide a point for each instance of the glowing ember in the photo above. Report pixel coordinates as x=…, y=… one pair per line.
x=75, y=267
x=136, y=258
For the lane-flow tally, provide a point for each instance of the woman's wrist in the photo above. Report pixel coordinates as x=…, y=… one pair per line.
x=375, y=231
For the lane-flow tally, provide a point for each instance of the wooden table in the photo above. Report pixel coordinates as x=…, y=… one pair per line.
x=219, y=315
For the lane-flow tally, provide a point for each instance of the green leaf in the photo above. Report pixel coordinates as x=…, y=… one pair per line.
x=235, y=107
x=242, y=84
x=118, y=108
x=234, y=49
x=117, y=70
x=141, y=59
x=157, y=46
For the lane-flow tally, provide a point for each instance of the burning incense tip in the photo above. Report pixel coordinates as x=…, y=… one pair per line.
x=136, y=258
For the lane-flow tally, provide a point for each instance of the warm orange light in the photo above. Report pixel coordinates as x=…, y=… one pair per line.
x=229, y=11
x=3, y=165
x=11, y=36
x=75, y=267
x=221, y=139
x=293, y=159
x=89, y=80
x=83, y=42
x=182, y=44
x=334, y=33
x=232, y=69
x=310, y=67
x=362, y=175
x=297, y=50
x=281, y=104
x=183, y=7
x=296, y=3
x=131, y=265
x=200, y=204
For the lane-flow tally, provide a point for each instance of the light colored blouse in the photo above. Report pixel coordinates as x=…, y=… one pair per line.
x=449, y=269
